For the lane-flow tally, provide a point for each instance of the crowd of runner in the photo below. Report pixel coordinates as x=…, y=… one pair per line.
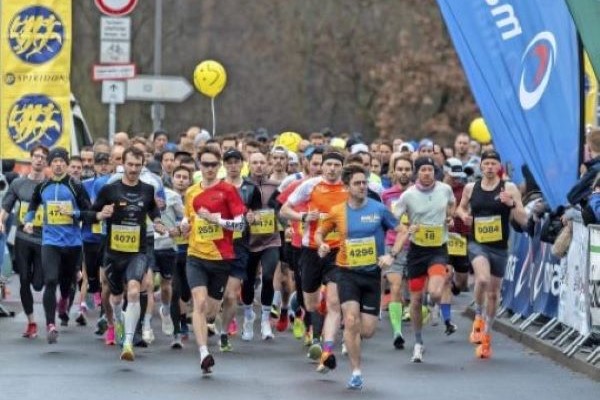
x=319, y=228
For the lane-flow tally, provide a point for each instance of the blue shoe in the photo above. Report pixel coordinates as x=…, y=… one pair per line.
x=355, y=382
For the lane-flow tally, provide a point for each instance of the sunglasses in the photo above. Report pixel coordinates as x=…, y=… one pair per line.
x=207, y=164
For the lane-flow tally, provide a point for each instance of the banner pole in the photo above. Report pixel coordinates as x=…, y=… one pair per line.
x=582, y=127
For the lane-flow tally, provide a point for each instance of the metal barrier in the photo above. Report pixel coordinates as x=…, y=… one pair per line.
x=561, y=295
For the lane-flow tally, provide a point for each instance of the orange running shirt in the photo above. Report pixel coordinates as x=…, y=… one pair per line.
x=318, y=196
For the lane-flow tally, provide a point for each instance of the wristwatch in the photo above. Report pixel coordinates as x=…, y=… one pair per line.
x=303, y=219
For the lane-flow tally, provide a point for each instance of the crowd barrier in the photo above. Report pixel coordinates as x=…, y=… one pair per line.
x=563, y=294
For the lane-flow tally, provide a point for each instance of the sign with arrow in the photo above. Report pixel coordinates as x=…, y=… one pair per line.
x=113, y=92
x=174, y=89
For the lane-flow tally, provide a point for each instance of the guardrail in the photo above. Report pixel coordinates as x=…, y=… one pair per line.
x=562, y=293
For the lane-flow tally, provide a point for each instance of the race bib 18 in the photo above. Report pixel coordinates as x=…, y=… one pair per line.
x=429, y=236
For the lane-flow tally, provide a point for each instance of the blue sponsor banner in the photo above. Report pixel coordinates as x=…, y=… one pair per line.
x=519, y=248
x=532, y=279
x=521, y=60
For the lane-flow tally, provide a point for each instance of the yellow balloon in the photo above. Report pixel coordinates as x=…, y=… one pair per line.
x=289, y=140
x=479, y=131
x=210, y=78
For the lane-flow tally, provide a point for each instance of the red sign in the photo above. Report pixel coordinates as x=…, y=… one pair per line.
x=116, y=8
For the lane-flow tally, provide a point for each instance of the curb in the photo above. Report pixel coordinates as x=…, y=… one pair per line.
x=545, y=348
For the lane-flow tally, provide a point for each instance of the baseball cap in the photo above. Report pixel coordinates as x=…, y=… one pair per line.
x=425, y=143
x=453, y=167
x=359, y=148
x=421, y=161
x=232, y=153
x=338, y=142
x=279, y=150
x=101, y=157
x=491, y=154
x=407, y=147
x=58, y=152
x=203, y=136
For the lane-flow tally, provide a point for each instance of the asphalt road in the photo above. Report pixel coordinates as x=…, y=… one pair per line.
x=80, y=366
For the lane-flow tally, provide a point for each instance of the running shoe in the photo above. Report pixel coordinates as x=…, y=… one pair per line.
x=344, y=349
x=355, y=382
x=62, y=311
x=148, y=335
x=212, y=329
x=52, y=334
x=176, y=342
x=207, y=363
x=298, y=328
x=232, y=328
x=266, y=331
x=248, y=328
x=399, y=341
x=425, y=315
x=450, y=328
x=484, y=350
x=127, y=352
x=101, y=326
x=97, y=299
x=275, y=312
x=225, y=344
x=31, y=331
x=418, y=351
x=282, y=323
x=406, y=314
x=185, y=331
x=109, y=338
x=308, y=338
x=477, y=330
x=327, y=362
x=315, y=350
x=167, y=323
x=80, y=320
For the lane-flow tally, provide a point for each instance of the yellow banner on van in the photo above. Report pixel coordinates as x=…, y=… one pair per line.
x=35, y=89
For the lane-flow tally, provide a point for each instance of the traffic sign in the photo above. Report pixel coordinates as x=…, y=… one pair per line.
x=116, y=8
x=113, y=92
x=159, y=88
x=115, y=28
x=114, y=52
x=113, y=72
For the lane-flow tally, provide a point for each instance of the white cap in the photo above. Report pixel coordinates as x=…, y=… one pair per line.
x=453, y=167
x=359, y=148
x=293, y=158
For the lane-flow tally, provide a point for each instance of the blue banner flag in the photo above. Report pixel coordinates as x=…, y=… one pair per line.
x=521, y=60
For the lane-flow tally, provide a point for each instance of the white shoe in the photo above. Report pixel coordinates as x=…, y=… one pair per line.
x=418, y=351
x=344, y=349
x=266, y=330
x=167, y=323
x=248, y=328
x=148, y=335
x=435, y=315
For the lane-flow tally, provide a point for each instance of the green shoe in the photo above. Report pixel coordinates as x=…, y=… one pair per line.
x=298, y=328
x=127, y=353
x=315, y=351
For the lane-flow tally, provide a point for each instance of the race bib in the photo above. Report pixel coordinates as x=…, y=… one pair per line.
x=429, y=236
x=457, y=245
x=38, y=220
x=237, y=235
x=125, y=238
x=54, y=215
x=361, y=252
x=97, y=228
x=265, y=223
x=207, y=231
x=488, y=229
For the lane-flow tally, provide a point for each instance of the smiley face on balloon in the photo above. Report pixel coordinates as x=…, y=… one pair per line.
x=210, y=78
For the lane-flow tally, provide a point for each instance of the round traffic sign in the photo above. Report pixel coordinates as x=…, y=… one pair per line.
x=116, y=8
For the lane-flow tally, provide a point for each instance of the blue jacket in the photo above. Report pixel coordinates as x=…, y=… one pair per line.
x=65, y=190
